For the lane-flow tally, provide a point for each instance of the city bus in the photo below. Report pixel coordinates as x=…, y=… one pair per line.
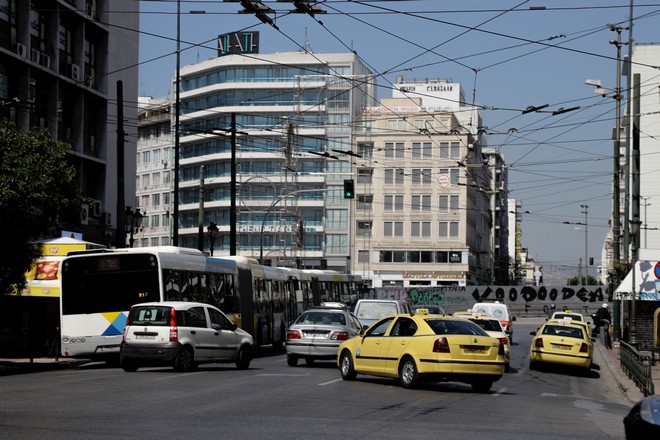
x=99, y=287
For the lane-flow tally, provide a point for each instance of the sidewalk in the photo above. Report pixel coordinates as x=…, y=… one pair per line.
x=612, y=362
x=27, y=365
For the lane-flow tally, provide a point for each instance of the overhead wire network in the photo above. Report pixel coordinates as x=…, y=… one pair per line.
x=567, y=135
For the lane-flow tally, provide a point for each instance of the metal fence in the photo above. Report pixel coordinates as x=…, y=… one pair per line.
x=637, y=366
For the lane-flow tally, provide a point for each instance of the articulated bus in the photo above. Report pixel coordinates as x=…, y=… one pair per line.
x=100, y=286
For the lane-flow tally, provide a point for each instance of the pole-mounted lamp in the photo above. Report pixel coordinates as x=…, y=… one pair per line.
x=132, y=223
x=213, y=232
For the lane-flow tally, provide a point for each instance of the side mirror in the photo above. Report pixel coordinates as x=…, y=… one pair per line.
x=513, y=318
x=532, y=333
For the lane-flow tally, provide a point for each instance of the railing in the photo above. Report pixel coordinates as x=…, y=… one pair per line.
x=637, y=366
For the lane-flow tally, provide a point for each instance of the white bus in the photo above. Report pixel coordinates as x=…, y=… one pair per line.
x=99, y=287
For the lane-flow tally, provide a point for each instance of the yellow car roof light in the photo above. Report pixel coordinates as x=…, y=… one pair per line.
x=422, y=311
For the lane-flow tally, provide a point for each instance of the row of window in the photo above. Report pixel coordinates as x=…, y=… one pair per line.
x=418, y=202
x=417, y=150
x=417, y=229
x=411, y=256
x=418, y=176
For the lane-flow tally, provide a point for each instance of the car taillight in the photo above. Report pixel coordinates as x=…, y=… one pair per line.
x=501, y=349
x=174, y=331
x=584, y=348
x=506, y=324
x=441, y=345
x=539, y=343
x=504, y=340
x=339, y=336
x=293, y=334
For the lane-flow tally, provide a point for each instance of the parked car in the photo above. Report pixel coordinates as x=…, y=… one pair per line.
x=416, y=347
x=498, y=311
x=368, y=311
x=643, y=420
x=561, y=342
x=184, y=335
x=317, y=333
x=493, y=327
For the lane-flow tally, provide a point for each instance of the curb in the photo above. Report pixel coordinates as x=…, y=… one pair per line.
x=626, y=385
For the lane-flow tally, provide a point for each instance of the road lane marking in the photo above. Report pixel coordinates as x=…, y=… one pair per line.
x=331, y=381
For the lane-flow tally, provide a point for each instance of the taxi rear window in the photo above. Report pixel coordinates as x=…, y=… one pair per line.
x=455, y=327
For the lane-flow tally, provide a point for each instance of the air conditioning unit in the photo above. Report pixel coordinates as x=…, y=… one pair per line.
x=84, y=214
x=107, y=219
x=21, y=50
x=35, y=56
x=96, y=209
x=75, y=72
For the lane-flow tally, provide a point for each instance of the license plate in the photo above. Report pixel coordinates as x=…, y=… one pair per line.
x=561, y=347
x=474, y=349
x=317, y=334
x=147, y=337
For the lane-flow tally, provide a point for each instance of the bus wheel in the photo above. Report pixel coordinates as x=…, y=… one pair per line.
x=184, y=360
x=291, y=360
x=129, y=365
x=244, y=357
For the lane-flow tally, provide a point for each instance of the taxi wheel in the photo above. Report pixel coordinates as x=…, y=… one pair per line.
x=408, y=374
x=482, y=386
x=184, y=360
x=532, y=365
x=291, y=360
x=346, y=366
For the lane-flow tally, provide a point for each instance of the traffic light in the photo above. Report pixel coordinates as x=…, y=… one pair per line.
x=349, y=192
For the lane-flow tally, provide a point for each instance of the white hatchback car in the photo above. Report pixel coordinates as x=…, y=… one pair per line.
x=184, y=335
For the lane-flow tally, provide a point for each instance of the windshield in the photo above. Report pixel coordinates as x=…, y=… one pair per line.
x=321, y=317
x=560, y=330
x=375, y=310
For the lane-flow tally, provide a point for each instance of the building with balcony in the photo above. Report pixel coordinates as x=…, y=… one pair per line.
x=294, y=116
x=60, y=63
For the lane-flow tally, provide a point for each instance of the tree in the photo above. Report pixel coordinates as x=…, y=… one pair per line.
x=37, y=191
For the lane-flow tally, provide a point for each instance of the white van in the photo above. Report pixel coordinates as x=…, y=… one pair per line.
x=368, y=311
x=498, y=311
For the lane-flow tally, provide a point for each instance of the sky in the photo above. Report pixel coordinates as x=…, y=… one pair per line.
x=507, y=56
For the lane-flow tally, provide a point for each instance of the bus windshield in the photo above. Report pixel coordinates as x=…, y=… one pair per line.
x=109, y=283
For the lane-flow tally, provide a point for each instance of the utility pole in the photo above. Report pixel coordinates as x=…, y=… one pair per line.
x=120, y=238
x=586, y=244
x=646, y=225
x=616, y=214
x=177, y=113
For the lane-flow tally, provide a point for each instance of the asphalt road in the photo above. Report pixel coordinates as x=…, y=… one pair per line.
x=274, y=401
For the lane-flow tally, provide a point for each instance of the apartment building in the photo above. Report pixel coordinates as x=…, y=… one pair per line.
x=423, y=212
x=293, y=115
x=60, y=63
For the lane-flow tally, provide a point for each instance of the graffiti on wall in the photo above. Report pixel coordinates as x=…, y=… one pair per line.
x=465, y=295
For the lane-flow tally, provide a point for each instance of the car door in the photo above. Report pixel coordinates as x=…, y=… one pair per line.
x=197, y=331
x=224, y=337
x=371, y=353
x=403, y=331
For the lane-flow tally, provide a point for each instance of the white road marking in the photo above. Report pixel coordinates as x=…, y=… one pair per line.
x=329, y=382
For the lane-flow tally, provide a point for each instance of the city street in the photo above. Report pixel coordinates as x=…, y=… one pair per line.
x=274, y=401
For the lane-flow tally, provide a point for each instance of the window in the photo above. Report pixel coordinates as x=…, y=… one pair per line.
x=421, y=176
x=394, y=176
x=421, y=203
x=336, y=243
x=365, y=149
x=393, y=203
x=393, y=229
x=420, y=229
x=364, y=202
x=448, y=230
x=365, y=175
x=422, y=150
x=155, y=200
x=166, y=177
x=448, y=202
x=194, y=317
x=155, y=222
x=363, y=256
x=146, y=156
x=336, y=219
x=145, y=180
x=452, y=173
x=450, y=150
x=394, y=149
x=363, y=229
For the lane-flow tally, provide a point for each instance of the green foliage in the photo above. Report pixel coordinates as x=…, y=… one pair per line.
x=591, y=281
x=37, y=190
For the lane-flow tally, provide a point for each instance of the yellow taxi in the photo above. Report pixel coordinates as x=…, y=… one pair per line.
x=412, y=347
x=561, y=342
x=583, y=324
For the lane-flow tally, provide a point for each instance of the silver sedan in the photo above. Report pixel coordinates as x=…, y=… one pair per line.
x=317, y=333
